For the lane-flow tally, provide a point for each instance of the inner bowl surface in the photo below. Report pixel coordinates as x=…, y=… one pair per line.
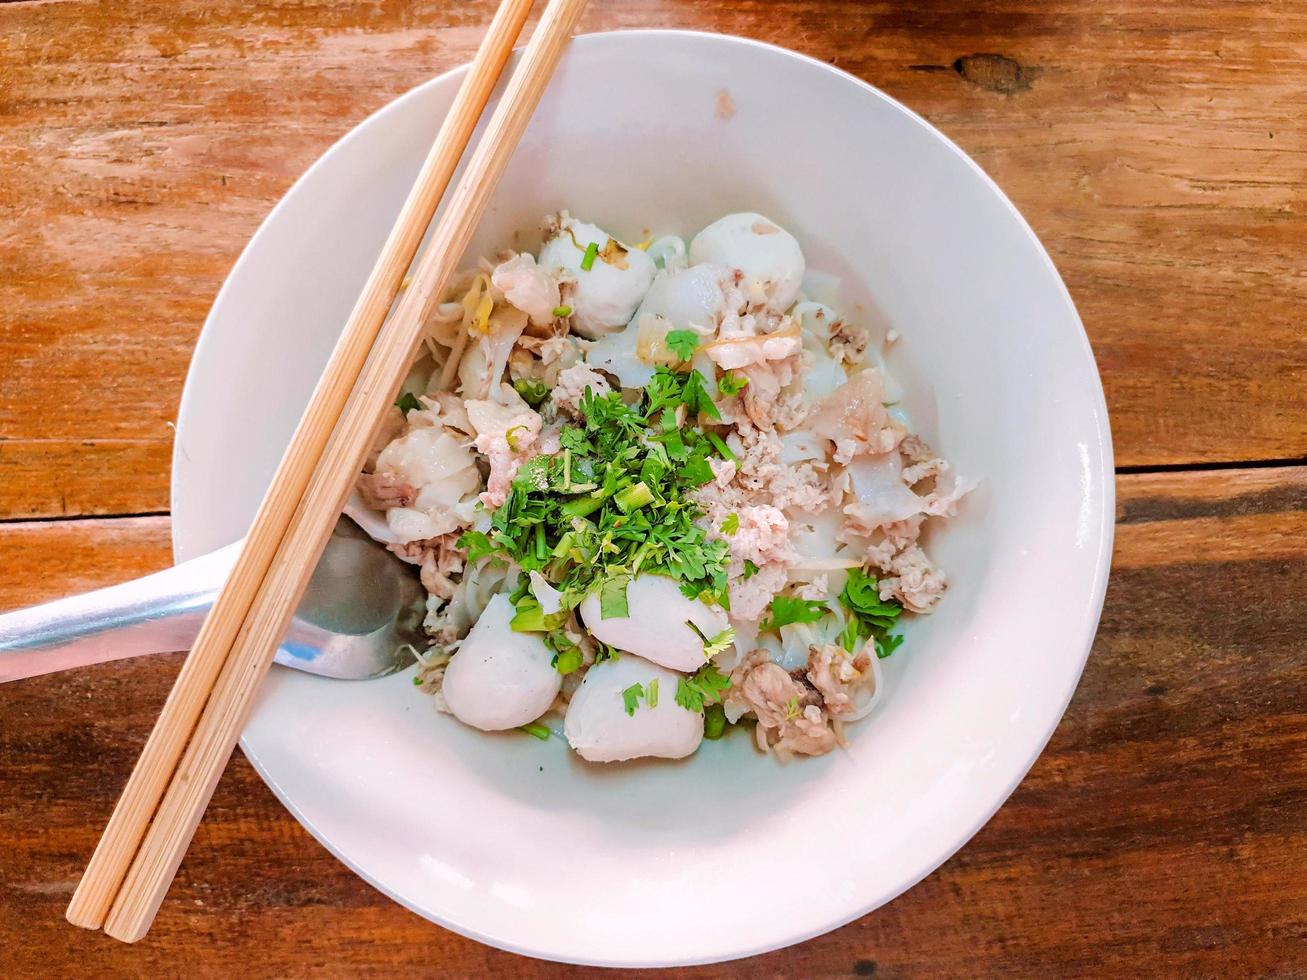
x=516, y=842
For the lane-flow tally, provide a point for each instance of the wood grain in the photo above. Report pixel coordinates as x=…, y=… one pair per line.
x=46, y=560
x=313, y=480
x=1163, y=832
x=113, y=892
x=1156, y=148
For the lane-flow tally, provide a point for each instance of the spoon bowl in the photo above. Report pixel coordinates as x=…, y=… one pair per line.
x=360, y=617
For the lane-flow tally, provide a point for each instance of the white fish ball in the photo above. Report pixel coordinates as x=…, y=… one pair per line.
x=606, y=295
x=757, y=246
x=500, y=679
x=599, y=729
x=656, y=627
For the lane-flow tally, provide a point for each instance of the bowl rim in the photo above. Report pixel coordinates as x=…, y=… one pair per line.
x=1104, y=533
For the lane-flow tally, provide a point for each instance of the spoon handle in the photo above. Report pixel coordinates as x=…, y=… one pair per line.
x=158, y=613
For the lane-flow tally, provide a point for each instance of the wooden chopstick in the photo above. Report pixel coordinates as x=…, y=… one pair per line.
x=145, y=788
x=169, y=835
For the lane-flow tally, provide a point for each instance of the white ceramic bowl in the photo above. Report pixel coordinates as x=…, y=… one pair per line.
x=516, y=842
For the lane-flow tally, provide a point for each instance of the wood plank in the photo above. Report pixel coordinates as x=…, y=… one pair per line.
x=46, y=560
x=1157, y=149
x=1161, y=834
x=43, y=477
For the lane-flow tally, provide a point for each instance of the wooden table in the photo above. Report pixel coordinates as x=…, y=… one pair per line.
x=1159, y=150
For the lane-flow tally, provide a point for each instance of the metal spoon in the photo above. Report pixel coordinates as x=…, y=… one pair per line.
x=359, y=618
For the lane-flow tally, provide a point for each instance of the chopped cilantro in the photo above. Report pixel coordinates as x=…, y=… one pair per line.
x=533, y=392
x=535, y=728
x=697, y=471
x=631, y=698
x=750, y=570
x=417, y=681
x=588, y=260
x=789, y=609
x=476, y=544
x=562, y=311
x=408, y=402
x=528, y=617
x=730, y=523
x=522, y=591
x=612, y=599
x=574, y=439
x=651, y=694
x=704, y=686
x=695, y=396
x=682, y=343
x=792, y=708
x=731, y=383
x=718, y=643
x=870, y=617
x=567, y=655
x=851, y=637
x=616, y=502
x=886, y=645
x=569, y=660
x=861, y=594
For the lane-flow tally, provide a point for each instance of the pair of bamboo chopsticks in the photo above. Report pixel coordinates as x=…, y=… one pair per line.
x=155, y=819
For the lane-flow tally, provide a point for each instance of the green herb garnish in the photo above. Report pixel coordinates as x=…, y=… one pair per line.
x=616, y=502
x=561, y=311
x=723, y=450
x=886, y=645
x=682, y=343
x=631, y=698
x=651, y=695
x=750, y=570
x=704, y=686
x=715, y=645
x=533, y=392
x=535, y=728
x=714, y=721
x=569, y=660
x=612, y=599
x=731, y=383
x=477, y=544
x=588, y=260
x=567, y=655
x=730, y=523
x=696, y=396
x=787, y=609
x=408, y=402
x=870, y=617
x=529, y=617
x=633, y=497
